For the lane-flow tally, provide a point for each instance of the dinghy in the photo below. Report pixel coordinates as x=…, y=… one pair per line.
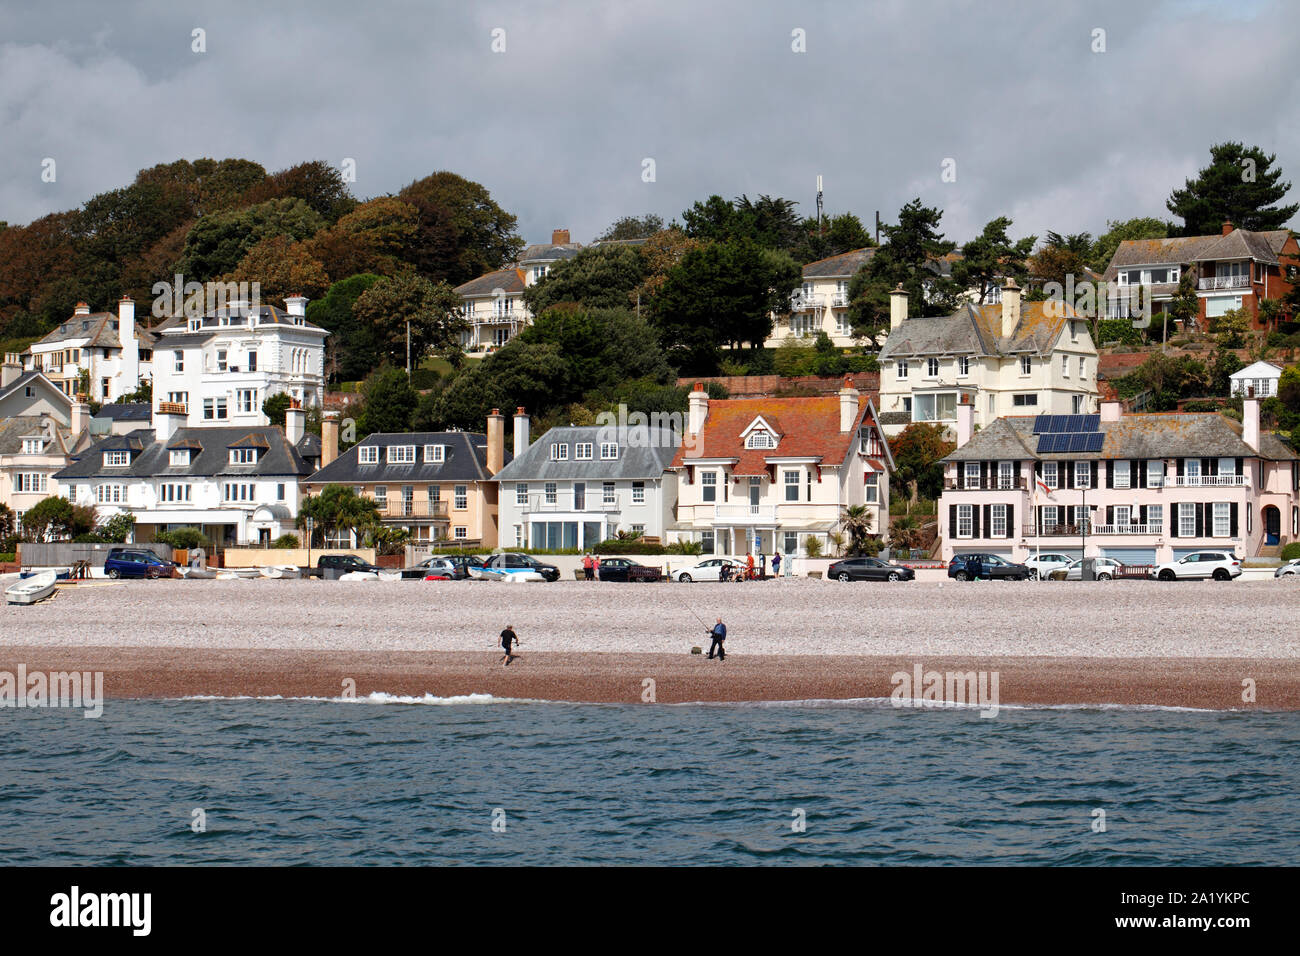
x=280, y=571
x=30, y=590
x=198, y=574
x=359, y=576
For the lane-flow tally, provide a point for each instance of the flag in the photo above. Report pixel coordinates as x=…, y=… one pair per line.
x=1042, y=486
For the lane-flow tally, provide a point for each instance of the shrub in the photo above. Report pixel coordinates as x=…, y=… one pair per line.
x=286, y=541
x=813, y=546
x=1291, y=551
x=8, y=557
x=187, y=538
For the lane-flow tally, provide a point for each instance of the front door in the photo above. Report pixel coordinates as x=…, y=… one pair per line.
x=1272, y=525
x=263, y=537
x=754, y=490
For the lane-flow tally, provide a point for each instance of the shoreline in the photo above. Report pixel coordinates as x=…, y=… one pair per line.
x=599, y=677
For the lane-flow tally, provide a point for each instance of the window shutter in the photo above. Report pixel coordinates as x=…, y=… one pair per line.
x=952, y=521
x=1011, y=519
x=1110, y=473
x=1110, y=514
x=1232, y=520
x=1094, y=474
x=1200, y=519
x=1180, y=467
x=988, y=520
x=975, y=521
x=1209, y=466
x=1142, y=514
x=1239, y=471
x=1173, y=521
x=984, y=474
x=1038, y=519
x=1141, y=468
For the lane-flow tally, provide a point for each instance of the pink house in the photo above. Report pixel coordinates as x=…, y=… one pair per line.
x=1138, y=488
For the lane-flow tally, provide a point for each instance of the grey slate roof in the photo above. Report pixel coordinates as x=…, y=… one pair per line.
x=549, y=251
x=974, y=330
x=1179, y=435
x=14, y=430
x=266, y=315
x=125, y=412
x=152, y=459
x=29, y=378
x=507, y=280
x=1238, y=244
x=839, y=267
x=634, y=461
x=465, y=459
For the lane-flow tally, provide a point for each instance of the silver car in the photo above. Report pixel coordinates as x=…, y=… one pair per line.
x=1290, y=569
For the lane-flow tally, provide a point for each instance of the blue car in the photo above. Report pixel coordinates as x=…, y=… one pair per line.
x=969, y=567
x=137, y=563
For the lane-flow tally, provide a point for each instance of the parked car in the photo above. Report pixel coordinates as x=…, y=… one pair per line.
x=621, y=569
x=967, y=567
x=512, y=561
x=868, y=569
x=1219, y=565
x=344, y=563
x=1289, y=569
x=1042, y=565
x=137, y=563
x=708, y=570
x=1106, y=569
x=454, y=566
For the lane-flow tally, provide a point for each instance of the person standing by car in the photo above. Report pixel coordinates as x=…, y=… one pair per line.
x=508, y=637
x=719, y=635
x=588, y=568
x=595, y=565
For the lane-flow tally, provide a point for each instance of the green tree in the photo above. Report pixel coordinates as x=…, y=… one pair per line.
x=482, y=235
x=769, y=221
x=408, y=304
x=991, y=257
x=858, y=522
x=115, y=529
x=389, y=401
x=188, y=538
x=317, y=183
x=351, y=350
x=276, y=407
x=919, y=450
x=913, y=244
x=838, y=234
x=218, y=242
x=598, y=277
x=1185, y=306
x=1231, y=328
x=1117, y=231
x=1224, y=364
x=1239, y=186
x=633, y=227
x=55, y=518
x=337, y=509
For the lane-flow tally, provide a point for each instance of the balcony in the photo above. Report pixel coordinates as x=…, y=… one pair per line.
x=499, y=317
x=567, y=503
x=400, y=508
x=1223, y=282
x=993, y=483
x=805, y=302
x=1207, y=481
x=839, y=300
x=744, y=514
x=1056, y=530
x=1125, y=529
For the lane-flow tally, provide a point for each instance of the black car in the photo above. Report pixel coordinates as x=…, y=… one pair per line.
x=454, y=566
x=969, y=567
x=344, y=563
x=513, y=560
x=868, y=569
x=621, y=569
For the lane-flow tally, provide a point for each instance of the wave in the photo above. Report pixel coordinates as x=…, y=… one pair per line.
x=378, y=697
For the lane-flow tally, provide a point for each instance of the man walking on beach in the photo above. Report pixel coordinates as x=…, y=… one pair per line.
x=508, y=637
x=719, y=634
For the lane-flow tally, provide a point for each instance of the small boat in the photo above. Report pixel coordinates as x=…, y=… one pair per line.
x=198, y=574
x=238, y=574
x=280, y=571
x=390, y=575
x=360, y=576
x=30, y=590
x=61, y=574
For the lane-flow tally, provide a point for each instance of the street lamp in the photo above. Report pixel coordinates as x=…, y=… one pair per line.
x=311, y=522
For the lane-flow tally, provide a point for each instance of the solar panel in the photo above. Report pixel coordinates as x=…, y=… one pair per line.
x=1091, y=423
x=1095, y=441
x=1041, y=423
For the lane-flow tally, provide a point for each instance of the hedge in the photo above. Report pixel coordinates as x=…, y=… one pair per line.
x=1291, y=551
x=8, y=557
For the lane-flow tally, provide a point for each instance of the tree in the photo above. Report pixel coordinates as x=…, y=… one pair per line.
x=992, y=257
x=379, y=236
x=316, y=183
x=276, y=407
x=838, y=234
x=918, y=453
x=1185, y=305
x=1117, y=231
x=1239, y=186
x=1225, y=363
x=906, y=259
x=857, y=522
x=188, y=538
x=282, y=268
x=389, y=402
x=1231, y=328
x=113, y=530
x=396, y=306
x=55, y=518
x=633, y=227
x=483, y=234
x=598, y=277
x=218, y=242
x=1167, y=379
x=337, y=509
x=769, y=221
x=351, y=349
x=1061, y=257
x=662, y=252
x=724, y=293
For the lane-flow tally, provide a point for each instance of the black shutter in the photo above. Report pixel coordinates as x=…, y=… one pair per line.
x=1239, y=471
x=1142, y=514
x=1232, y=520
x=1200, y=520
x=1173, y=520
x=1038, y=469
x=984, y=474
x=1094, y=474
x=988, y=521
x=1209, y=466
x=1110, y=514
x=1180, y=467
x=952, y=521
x=1110, y=473
x=975, y=521
x=1011, y=519
x=1140, y=479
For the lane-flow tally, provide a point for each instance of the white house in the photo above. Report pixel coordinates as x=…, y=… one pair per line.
x=109, y=350
x=1260, y=376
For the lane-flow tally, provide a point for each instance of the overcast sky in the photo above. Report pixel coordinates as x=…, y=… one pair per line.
x=558, y=126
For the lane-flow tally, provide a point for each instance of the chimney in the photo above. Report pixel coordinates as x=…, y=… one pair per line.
x=81, y=309
x=496, y=441
x=1110, y=410
x=697, y=409
x=295, y=423
x=296, y=304
x=1227, y=226
x=897, y=307
x=11, y=370
x=129, y=380
x=1250, y=418
x=521, y=431
x=329, y=437
x=559, y=237
x=167, y=417
x=1010, y=308
x=848, y=405
x=80, y=419
x=965, y=418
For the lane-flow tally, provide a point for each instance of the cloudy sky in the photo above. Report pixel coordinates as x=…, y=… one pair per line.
x=560, y=123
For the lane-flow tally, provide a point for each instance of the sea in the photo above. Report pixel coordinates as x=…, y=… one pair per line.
x=477, y=780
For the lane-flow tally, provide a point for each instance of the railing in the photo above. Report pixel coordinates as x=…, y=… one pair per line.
x=400, y=508
x=799, y=302
x=839, y=299
x=495, y=317
x=1125, y=529
x=744, y=512
x=1224, y=282
x=1055, y=530
x=1201, y=481
x=1018, y=483
x=566, y=501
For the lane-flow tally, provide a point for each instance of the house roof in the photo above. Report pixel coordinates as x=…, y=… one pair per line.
x=1184, y=250
x=643, y=452
x=808, y=428
x=550, y=251
x=507, y=280
x=34, y=378
x=465, y=459
x=125, y=412
x=100, y=331
x=1158, y=435
x=841, y=266
x=152, y=458
x=976, y=330
x=14, y=430
x=175, y=328
x=1260, y=369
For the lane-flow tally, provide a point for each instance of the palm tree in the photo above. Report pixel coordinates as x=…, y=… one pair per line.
x=858, y=521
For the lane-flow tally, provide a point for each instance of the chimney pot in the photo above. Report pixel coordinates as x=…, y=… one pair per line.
x=1227, y=226
x=897, y=307
x=496, y=441
x=559, y=237
x=521, y=431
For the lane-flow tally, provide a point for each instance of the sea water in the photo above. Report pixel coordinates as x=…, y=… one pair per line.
x=478, y=781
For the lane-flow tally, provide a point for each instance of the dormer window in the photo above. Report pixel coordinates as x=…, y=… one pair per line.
x=117, y=459
x=932, y=368
x=435, y=454
x=243, y=456
x=33, y=446
x=608, y=451
x=401, y=454
x=582, y=451
x=559, y=452
x=760, y=438
x=368, y=455
x=179, y=458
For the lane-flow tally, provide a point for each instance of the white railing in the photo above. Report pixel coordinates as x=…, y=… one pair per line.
x=1125, y=529
x=567, y=502
x=1202, y=481
x=744, y=512
x=1224, y=282
x=799, y=302
x=839, y=299
x=495, y=317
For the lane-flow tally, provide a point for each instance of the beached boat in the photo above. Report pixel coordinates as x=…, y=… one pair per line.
x=280, y=571
x=61, y=574
x=238, y=574
x=359, y=576
x=390, y=575
x=32, y=589
x=198, y=574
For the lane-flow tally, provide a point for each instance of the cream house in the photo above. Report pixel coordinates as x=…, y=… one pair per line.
x=1011, y=358
x=821, y=303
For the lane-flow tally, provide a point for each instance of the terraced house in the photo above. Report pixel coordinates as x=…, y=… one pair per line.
x=764, y=474
x=434, y=485
x=1012, y=358
x=1140, y=489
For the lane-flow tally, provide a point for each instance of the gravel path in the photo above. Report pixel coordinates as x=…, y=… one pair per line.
x=796, y=616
